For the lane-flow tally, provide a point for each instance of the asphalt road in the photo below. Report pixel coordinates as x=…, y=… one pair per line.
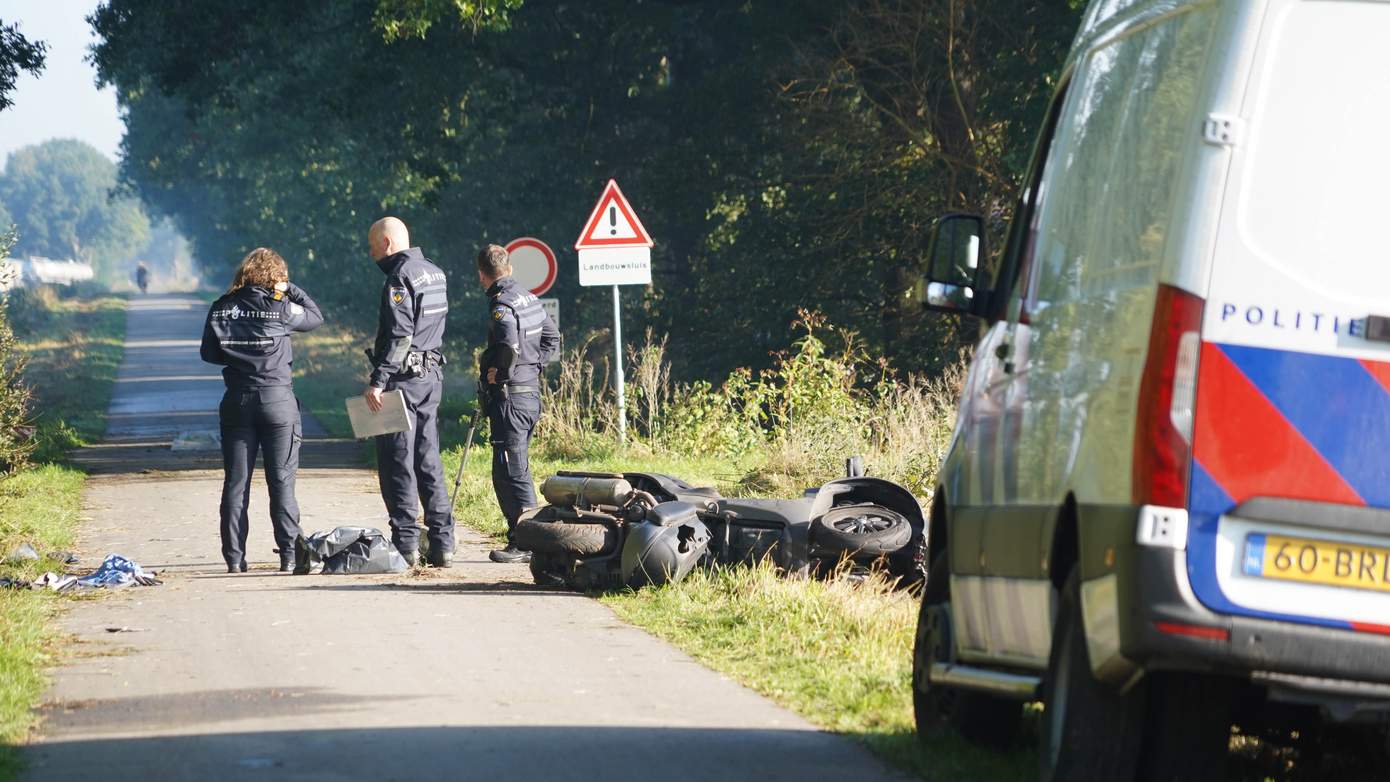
x=472, y=674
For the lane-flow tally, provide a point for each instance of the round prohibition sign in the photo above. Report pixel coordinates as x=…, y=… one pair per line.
x=533, y=264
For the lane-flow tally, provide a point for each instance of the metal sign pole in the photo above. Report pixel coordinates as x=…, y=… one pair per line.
x=618, y=367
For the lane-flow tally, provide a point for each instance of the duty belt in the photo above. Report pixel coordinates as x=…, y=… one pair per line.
x=508, y=390
x=419, y=363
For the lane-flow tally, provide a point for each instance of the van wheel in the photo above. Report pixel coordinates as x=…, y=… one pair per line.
x=978, y=717
x=1088, y=730
x=1188, y=728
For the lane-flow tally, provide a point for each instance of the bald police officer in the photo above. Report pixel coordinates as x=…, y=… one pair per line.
x=521, y=339
x=406, y=357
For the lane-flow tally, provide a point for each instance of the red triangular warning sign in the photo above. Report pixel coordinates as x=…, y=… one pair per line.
x=613, y=223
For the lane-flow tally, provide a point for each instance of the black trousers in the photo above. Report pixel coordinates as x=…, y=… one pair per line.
x=409, y=469
x=264, y=420
x=513, y=422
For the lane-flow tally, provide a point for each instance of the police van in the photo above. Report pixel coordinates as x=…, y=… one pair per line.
x=1166, y=505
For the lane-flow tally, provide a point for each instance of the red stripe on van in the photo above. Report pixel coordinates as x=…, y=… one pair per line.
x=1367, y=627
x=1380, y=371
x=1249, y=448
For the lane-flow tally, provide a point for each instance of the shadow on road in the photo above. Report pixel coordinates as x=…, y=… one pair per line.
x=510, y=588
x=155, y=458
x=550, y=753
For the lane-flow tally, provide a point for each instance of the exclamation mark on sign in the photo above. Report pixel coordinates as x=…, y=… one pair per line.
x=613, y=220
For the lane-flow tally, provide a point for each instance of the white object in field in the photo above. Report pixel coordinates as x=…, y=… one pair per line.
x=46, y=271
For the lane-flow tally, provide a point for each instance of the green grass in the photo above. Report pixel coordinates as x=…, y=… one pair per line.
x=73, y=350
x=836, y=652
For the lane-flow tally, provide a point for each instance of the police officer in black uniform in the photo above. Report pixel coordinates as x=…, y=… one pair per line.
x=521, y=339
x=406, y=357
x=248, y=333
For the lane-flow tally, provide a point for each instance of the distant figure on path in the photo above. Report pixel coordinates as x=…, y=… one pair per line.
x=248, y=333
x=142, y=277
x=405, y=357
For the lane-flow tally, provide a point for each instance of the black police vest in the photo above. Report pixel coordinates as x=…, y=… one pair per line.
x=252, y=327
x=530, y=317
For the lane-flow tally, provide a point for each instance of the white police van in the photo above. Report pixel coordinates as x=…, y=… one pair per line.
x=1166, y=507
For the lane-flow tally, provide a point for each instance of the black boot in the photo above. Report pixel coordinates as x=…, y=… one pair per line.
x=510, y=555
x=438, y=557
x=286, y=560
x=237, y=567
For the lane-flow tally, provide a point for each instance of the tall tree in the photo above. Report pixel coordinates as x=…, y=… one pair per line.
x=17, y=53
x=62, y=194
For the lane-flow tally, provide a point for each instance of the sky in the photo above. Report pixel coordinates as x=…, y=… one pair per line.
x=63, y=102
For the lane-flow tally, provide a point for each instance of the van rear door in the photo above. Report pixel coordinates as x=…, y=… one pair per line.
x=1293, y=404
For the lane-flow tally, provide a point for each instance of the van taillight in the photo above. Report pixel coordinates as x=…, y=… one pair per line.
x=1167, y=395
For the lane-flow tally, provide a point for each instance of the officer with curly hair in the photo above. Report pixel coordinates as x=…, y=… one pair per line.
x=248, y=332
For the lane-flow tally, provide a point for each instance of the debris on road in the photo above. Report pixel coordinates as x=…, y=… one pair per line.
x=117, y=572
x=23, y=553
x=54, y=582
x=348, y=551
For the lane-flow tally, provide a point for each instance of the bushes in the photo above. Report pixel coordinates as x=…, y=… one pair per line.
x=785, y=428
x=16, y=435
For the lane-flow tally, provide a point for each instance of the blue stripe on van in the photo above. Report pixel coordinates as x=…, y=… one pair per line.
x=1334, y=403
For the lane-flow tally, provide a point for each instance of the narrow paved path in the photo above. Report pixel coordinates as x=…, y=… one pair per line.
x=472, y=674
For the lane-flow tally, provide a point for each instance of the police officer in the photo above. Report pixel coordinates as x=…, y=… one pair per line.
x=248, y=332
x=521, y=339
x=406, y=357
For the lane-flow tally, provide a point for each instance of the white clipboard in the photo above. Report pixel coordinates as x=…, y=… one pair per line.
x=390, y=419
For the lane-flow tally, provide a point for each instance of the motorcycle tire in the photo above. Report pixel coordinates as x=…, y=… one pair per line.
x=554, y=537
x=862, y=529
x=548, y=570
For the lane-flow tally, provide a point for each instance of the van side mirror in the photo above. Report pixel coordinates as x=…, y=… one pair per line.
x=954, y=279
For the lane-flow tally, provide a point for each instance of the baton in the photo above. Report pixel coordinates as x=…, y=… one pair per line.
x=467, y=446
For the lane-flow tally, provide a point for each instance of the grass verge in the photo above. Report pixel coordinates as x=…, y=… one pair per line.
x=73, y=349
x=836, y=652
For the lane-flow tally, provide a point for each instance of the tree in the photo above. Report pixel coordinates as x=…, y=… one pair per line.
x=17, y=53
x=785, y=154
x=62, y=194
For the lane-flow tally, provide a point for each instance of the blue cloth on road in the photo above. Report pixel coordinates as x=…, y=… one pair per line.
x=116, y=571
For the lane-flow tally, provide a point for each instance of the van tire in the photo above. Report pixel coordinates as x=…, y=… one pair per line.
x=978, y=717
x=555, y=537
x=1088, y=730
x=1187, y=732
x=862, y=529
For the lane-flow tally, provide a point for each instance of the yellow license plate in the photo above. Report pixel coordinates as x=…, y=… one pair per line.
x=1327, y=562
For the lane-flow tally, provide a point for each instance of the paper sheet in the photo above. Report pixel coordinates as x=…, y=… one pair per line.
x=390, y=419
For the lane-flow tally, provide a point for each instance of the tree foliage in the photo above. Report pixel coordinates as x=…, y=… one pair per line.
x=785, y=154
x=17, y=53
x=16, y=435
x=62, y=195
